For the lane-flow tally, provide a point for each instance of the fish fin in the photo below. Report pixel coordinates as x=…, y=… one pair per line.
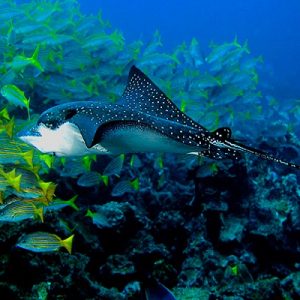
x=87, y=128
x=34, y=59
x=115, y=166
x=92, y=132
x=157, y=291
x=96, y=135
x=135, y=184
x=221, y=153
x=89, y=213
x=217, y=148
x=144, y=95
x=218, y=153
x=123, y=187
x=68, y=243
x=39, y=212
x=104, y=179
x=72, y=204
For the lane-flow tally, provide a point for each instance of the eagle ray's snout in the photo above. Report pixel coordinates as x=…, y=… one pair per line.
x=29, y=131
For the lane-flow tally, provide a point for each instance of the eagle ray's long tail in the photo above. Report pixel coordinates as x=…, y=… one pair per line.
x=243, y=148
x=222, y=146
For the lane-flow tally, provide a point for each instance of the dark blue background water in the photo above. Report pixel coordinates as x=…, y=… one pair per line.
x=272, y=28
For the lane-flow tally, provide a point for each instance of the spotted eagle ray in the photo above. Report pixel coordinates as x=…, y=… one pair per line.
x=144, y=120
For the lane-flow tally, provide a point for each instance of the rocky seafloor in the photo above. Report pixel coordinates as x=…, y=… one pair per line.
x=227, y=234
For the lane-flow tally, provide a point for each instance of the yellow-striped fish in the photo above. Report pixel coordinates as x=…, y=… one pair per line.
x=15, y=96
x=44, y=242
x=19, y=210
x=57, y=204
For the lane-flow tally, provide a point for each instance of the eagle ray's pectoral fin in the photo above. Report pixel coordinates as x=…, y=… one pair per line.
x=112, y=134
x=88, y=128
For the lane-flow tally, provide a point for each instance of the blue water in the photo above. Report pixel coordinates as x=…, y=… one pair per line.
x=270, y=26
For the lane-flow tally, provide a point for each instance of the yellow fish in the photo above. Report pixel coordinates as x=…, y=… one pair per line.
x=12, y=179
x=15, y=96
x=20, y=62
x=44, y=242
x=19, y=210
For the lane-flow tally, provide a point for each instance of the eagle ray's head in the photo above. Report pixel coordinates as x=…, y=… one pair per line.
x=54, y=133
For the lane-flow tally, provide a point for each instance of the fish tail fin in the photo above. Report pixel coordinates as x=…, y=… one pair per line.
x=39, y=212
x=72, y=203
x=236, y=42
x=89, y=213
x=17, y=183
x=28, y=157
x=245, y=47
x=34, y=59
x=104, y=178
x=36, y=53
x=135, y=184
x=68, y=243
x=27, y=107
x=175, y=58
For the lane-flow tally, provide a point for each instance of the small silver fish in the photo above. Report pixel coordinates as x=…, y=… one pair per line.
x=115, y=166
x=98, y=219
x=125, y=186
x=58, y=204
